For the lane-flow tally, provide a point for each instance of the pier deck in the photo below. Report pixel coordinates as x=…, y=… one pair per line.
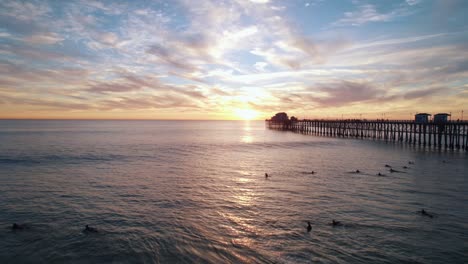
x=448, y=135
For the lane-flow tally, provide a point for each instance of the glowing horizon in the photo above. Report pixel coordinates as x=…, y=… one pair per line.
x=232, y=59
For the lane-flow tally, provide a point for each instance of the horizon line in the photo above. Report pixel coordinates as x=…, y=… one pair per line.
x=128, y=119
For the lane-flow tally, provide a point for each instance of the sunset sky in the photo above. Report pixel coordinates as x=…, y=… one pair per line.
x=235, y=59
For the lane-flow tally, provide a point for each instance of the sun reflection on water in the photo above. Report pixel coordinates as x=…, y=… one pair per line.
x=247, y=139
x=247, y=136
x=244, y=197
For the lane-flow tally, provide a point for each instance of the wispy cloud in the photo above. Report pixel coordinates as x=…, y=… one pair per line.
x=346, y=92
x=368, y=13
x=213, y=57
x=413, y=2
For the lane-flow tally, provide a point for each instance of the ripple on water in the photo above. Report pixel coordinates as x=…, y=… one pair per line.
x=184, y=193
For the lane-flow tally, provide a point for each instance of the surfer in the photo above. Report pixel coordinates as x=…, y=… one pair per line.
x=423, y=212
x=90, y=229
x=335, y=223
x=15, y=226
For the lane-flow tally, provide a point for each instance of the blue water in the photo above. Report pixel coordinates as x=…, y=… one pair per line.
x=195, y=192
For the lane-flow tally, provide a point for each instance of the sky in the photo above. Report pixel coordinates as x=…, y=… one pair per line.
x=233, y=59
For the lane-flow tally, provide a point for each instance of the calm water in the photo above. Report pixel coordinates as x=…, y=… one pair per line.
x=195, y=192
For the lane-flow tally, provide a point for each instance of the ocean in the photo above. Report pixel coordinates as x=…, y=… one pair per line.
x=196, y=192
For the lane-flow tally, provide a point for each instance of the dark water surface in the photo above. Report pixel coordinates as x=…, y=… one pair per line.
x=195, y=192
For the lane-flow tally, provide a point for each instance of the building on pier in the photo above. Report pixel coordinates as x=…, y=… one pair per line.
x=280, y=117
x=441, y=118
x=422, y=118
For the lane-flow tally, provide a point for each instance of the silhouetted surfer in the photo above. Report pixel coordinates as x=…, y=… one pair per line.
x=15, y=226
x=266, y=175
x=90, y=229
x=309, y=227
x=358, y=171
x=335, y=223
x=387, y=166
x=423, y=212
x=313, y=172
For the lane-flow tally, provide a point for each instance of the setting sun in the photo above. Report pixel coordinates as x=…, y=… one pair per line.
x=246, y=114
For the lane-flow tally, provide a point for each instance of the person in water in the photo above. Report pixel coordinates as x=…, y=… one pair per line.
x=266, y=175
x=358, y=171
x=379, y=174
x=335, y=223
x=309, y=227
x=313, y=172
x=15, y=226
x=90, y=229
x=423, y=212
x=387, y=166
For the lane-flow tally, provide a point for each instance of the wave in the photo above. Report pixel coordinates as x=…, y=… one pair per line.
x=68, y=159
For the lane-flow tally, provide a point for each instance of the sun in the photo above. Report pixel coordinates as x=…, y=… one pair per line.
x=246, y=114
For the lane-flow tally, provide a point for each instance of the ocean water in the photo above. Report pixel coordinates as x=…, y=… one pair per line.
x=195, y=192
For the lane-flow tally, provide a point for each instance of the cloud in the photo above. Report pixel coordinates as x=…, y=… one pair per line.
x=108, y=38
x=21, y=75
x=260, y=66
x=126, y=82
x=148, y=102
x=48, y=38
x=16, y=26
x=44, y=103
x=413, y=2
x=220, y=92
x=345, y=92
x=398, y=41
x=30, y=52
x=218, y=55
x=455, y=67
x=260, y=1
x=421, y=93
x=366, y=14
x=28, y=21
x=170, y=58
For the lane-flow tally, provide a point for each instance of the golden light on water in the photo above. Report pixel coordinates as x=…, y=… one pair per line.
x=247, y=139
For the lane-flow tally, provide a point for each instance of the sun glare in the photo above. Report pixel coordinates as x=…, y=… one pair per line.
x=246, y=114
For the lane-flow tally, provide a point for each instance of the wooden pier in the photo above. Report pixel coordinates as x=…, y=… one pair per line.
x=448, y=135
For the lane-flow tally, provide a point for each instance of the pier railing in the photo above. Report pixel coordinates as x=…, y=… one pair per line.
x=448, y=135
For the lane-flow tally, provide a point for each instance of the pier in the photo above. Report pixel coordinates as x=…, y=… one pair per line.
x=446, y=135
